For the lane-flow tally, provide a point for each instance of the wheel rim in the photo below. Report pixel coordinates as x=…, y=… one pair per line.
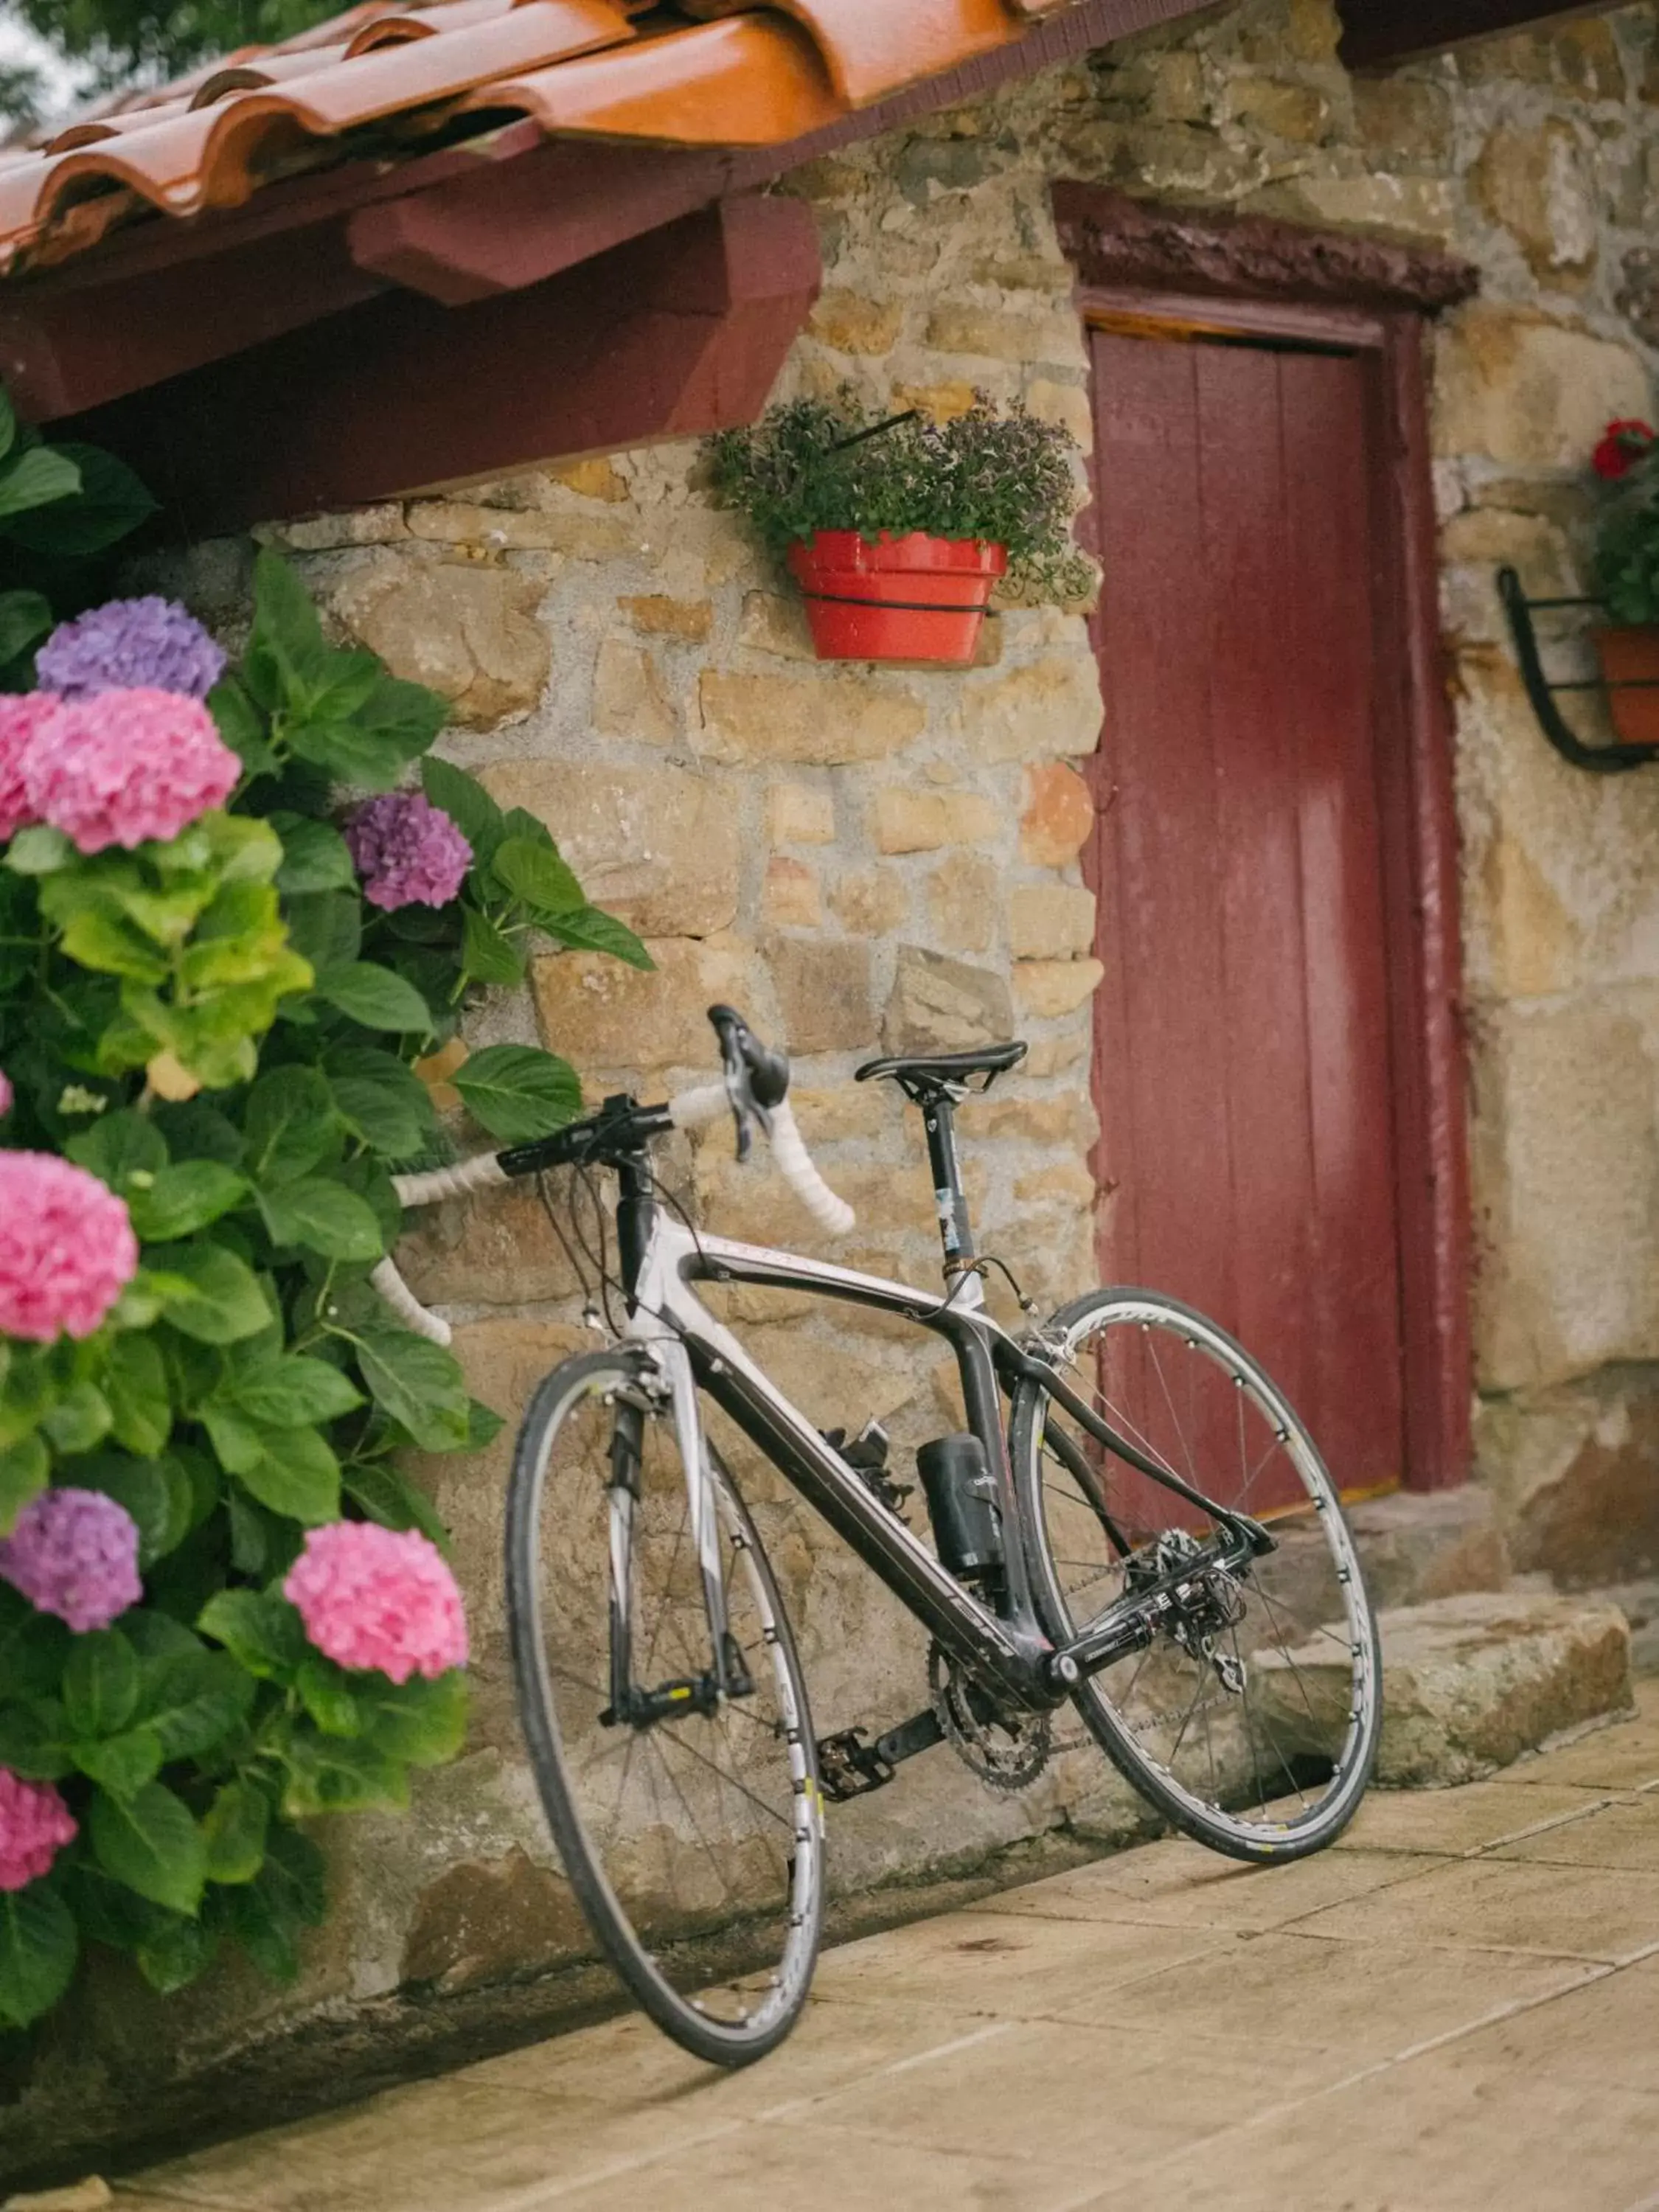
x=1279, y=1752
x=703, y=1835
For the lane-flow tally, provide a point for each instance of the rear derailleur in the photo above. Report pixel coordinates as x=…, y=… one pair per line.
x=1196, y=1613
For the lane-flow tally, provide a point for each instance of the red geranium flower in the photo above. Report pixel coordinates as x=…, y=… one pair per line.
x=1624, y=445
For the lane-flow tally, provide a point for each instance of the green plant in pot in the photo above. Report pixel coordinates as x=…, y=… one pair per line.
x=898, y=528
x=1627, y=578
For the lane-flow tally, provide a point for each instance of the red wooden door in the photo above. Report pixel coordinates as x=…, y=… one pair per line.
x=1243, y=1039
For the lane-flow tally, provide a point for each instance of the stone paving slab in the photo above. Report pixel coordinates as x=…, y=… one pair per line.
x=1456, y=2010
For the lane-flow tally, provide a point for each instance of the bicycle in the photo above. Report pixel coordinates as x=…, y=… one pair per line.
x=1225, y=1659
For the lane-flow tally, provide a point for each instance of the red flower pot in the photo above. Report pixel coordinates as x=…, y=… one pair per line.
x=914, y=597
x=1632, y=657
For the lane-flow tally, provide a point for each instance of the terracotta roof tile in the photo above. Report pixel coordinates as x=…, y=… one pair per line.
x=706, y=73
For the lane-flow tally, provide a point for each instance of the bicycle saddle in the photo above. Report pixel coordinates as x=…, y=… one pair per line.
x=924, y=1072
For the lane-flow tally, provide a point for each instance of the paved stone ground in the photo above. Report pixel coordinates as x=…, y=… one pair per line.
x=1456, y=2008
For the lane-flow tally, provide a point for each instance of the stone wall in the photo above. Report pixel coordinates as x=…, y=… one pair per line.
x=859, y=857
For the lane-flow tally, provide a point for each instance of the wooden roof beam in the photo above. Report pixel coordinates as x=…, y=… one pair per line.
x=1379, y=33
x=677, y=333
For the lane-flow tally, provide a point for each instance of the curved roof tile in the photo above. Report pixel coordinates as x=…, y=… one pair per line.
x=709, y=73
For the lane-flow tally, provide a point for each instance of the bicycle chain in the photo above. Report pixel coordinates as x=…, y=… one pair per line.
x=1005, y=1756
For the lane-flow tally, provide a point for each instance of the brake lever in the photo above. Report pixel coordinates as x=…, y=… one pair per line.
x=757, y=1080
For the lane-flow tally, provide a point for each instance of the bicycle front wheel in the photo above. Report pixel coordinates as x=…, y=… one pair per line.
x=690, y=1829
x=1251, y=1719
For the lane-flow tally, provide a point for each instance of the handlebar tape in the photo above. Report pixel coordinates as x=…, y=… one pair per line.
x=477, y=1174
x=795, y=1165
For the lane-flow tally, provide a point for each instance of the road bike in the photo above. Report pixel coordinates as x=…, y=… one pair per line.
x=1133, y=1522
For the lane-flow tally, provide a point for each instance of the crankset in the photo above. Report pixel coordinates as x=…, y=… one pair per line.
x=1006, y=1751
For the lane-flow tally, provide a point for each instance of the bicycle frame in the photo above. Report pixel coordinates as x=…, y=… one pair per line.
x=1006, y=1649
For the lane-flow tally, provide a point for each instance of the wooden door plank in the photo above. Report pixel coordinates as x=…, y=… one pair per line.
x=1158, y=864
x=1354, y=1274
x=1262, y=1058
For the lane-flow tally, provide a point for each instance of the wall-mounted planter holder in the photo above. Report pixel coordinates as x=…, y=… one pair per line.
x=909, y=598
x=1542, y=690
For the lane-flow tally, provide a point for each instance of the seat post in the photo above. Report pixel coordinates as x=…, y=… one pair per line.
x=956, y=1231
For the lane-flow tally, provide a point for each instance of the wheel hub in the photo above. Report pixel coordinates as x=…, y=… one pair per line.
x=1197, y=1613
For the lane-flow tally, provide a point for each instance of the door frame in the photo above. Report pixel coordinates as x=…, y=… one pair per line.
x=1169, y=272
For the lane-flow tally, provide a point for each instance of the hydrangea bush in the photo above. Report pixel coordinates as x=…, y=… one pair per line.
x=223, y=1609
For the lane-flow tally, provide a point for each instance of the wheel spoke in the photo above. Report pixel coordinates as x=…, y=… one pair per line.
x=1218, y=1741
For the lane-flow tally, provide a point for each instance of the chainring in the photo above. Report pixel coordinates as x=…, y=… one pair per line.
x=1007, y=1754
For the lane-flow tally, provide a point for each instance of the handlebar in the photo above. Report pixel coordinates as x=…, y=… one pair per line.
x=754, y=1087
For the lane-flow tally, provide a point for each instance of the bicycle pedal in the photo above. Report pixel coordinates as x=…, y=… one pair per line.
x=850, y=1767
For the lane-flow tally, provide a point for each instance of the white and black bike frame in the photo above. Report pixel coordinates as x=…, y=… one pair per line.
x=682, y=1347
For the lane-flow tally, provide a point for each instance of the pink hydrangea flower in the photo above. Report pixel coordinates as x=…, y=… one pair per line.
x=379, y=1597
x=36, y=1824
x=6, y=1094
x=123, y=767
x=19, y=718
x=75, y=1553
x=407, y=851
x=67, y=1249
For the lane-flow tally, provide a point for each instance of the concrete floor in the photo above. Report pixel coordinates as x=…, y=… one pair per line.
x=1456, y=2008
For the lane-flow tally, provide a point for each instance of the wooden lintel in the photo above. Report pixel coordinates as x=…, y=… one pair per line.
x=1377, y=33
x=674, y=334
x=1118, y=242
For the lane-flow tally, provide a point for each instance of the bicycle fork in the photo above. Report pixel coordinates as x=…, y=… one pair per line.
x=639, y=1705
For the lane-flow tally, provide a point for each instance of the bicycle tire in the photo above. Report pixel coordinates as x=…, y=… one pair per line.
x=1308, y=1828
x=676, y=2008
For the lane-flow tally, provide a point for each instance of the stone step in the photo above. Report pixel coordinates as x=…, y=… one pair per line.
x=1468, y=1682
x=1418, y=1545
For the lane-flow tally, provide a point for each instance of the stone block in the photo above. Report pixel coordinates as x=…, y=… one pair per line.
x=871, y=902
x=800, y=814
x=470, y=633
x=1566, y=1186
x=822, y=987
x=1051, y=706
x=944, y=402
x=631, y=697
x=940, y=1005
x=1511, y=386
x=1050, y=921
x=922, y=821
x=1068, y=1121
x=1580, y=59
x=1535, y=183
x=852, y=324
x=660, y=615
x=775, y=622
x=820, y=722
x=1418, y=1545
x=1059, y=816
x=961, y=902
x=959, y=328
x=1049, y=989
x=364, y=525
x=1468, y=1683
x=660, y=848
x=1065, y=403
x=1403, y=121
x=791, y=897
x=493, y=1920
x=604, y=1015
x=1415, y=209
x=1575, y=1476
x=598, y=479
x=497, y=1248
x=1280, y=108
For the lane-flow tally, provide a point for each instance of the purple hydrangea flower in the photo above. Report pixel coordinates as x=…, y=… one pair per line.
x=407, y=851
x=130, y=645
x=74, y=1552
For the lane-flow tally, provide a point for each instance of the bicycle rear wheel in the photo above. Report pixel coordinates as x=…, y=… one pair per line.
x=693, y=1839
x=1252, y=1720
